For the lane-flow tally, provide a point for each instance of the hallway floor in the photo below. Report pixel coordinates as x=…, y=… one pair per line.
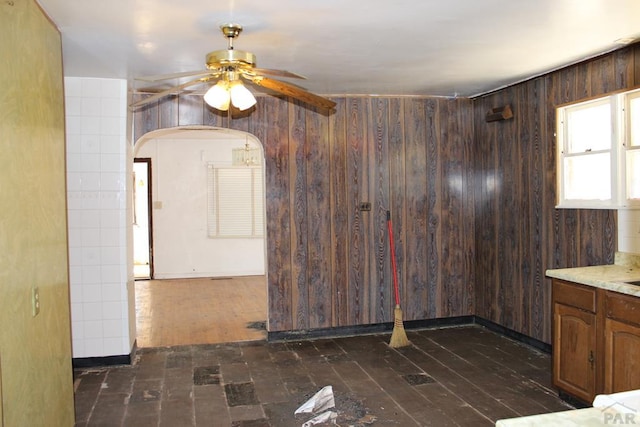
x=462, y=376
x=174, y=312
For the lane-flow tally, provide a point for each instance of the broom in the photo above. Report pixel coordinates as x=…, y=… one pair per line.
x=398, y=336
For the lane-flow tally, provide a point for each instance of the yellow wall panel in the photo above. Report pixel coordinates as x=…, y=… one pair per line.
x=35, y=351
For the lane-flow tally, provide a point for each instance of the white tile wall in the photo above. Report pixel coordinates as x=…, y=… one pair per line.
x=96, y=119
x=629, y=231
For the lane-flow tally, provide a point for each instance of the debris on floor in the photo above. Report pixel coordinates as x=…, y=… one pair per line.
x=259, y=325
x=319, y=402
x=352, y=411
x=325, y=417
x=348, y=410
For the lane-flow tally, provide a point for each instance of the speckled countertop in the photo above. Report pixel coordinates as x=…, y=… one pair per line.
x=608, y=409
x=612, y=277
x=575, y=418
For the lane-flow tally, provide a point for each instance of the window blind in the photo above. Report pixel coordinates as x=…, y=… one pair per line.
x=235, y=202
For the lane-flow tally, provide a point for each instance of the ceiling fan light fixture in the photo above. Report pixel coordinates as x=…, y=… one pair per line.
x=229, y=66
x=218, y=96
x=241, y=97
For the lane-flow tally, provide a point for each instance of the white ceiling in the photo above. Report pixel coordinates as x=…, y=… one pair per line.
x=400, y=47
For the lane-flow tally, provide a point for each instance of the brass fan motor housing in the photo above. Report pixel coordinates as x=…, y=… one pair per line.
x=230, y=57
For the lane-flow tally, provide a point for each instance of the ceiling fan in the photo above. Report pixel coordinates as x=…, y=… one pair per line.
x=230, y=68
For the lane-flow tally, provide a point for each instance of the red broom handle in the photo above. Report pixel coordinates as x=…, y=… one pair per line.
x=394, y=268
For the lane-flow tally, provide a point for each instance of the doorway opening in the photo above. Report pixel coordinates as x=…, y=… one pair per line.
x=204, y=285
x=142, y=220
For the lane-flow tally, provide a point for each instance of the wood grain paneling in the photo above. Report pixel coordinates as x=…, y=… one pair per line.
x=319, y=220
x=299, y=220
x=169, y=113
x=272, y=128
x=338, y=211
x=381, y=299
x=144, y=119
x=191, y=111
x=356, y=189
x=519, y=233
x=472, y=203
x=397, y=199
x=421, y=228
x=328, y=261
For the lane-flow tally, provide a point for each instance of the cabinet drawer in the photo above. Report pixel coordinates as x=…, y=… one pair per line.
x=624, y=308
x=574, y=295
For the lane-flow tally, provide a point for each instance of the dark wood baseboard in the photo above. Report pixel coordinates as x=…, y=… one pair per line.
x=375, y=328
x=340, y=331
x=345, y=331
x=510, y=333
x=95, y=362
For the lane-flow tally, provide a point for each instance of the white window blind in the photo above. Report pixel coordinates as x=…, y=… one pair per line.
x=235, y=202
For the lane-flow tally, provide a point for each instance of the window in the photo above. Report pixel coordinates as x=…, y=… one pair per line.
x=632, y=148
x=599, y=152
x=235, y=202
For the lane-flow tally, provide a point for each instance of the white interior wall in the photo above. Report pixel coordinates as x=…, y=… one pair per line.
x=181, y=248
x=97, y=198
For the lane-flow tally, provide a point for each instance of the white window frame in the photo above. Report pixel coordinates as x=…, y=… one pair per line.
x=628, y=147
x=620, y=134
x=216, y=227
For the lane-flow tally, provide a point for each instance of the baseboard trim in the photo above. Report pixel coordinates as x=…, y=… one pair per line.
x=510, y=333
x=441, y=322
x=375, y=328
x=345, y=331
x=95, y=362
x=334, y=332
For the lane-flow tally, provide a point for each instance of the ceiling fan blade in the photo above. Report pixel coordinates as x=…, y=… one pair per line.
x=293, y=91
x=169, y=91
x=159, y=77
x=272, y=72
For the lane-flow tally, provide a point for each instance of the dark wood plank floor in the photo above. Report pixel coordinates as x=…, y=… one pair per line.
x=462, y=376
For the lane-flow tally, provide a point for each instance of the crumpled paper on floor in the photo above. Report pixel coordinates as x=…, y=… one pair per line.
x=322, y=418
x=320, y=402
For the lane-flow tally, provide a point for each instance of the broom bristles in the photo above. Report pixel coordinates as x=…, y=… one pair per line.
x=398, y=336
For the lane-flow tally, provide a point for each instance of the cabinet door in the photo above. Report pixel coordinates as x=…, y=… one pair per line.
x=622, y=356
x=574, y=351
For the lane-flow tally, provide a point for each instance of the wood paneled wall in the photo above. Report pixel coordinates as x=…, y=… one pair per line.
x=519, y=233
x=473, y=203
x=328, y=262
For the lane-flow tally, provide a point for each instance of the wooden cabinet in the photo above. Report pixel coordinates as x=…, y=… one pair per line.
x=621, y=343
x=574, y=339
x=596, y=340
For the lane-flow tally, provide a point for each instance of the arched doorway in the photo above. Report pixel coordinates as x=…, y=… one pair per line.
x=208, y=281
